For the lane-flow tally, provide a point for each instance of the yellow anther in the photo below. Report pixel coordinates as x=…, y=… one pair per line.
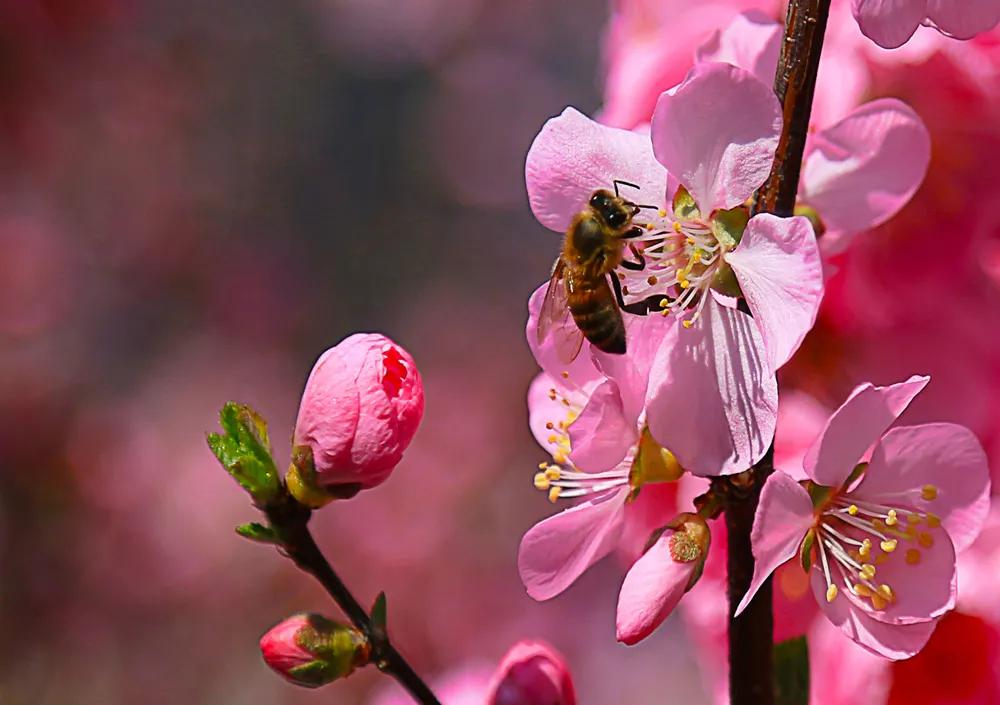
x=542, y=465
x=663, y=214
x=861, y=590
x=690, y=240
x=912, y=556
x=688, y=323
x=879, y=525
x=831, y=593
x=696, y=256
x=665, y=312
x=650, y=226
x=913, y=518
x=929, y=492
x=891, y=519
x=552, y=473
x=664, y=303
x=553, y=438
x=542, y=481
x=560, y=457
x=925, y=539
x=554, y=494
x=879, y=602
x=933, y=520
x=677, y=227
x=853, y=510
x=867, y=571
x=565, y=374
x=866, y=548
x=889, y=546
x=886, y=592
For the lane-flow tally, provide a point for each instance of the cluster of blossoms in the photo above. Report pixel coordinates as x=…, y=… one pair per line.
x=876, y=517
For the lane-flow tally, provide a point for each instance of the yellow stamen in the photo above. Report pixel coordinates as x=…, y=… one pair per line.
x=831, y=593
x=554, y=494
x=866, y=548
x=879, y=602
x=929, y=492
x=663, y=214
x=862, y=590
x=913, y=518
x=541, y=481
x=853, y=510
x=886, y=592
x=688, y=323
x=933, y=520
x=925, y=540
x=912, y=556
x=677, y=227
x=560, y=457
x=891, y=519
x=889, y=546
x=553, y=473
x=867, y=571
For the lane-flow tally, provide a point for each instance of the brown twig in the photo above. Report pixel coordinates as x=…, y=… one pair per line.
x=290, y=522
x=751, y=635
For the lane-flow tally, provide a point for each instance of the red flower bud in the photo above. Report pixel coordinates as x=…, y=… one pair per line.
x=361, y=406
x=310, y=650
x=532, y=673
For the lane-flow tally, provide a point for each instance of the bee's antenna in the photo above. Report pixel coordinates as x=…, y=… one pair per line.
x=639, y=208
x=623, y=183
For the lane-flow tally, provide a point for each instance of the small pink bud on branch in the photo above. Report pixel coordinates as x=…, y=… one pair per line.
x=310, y=650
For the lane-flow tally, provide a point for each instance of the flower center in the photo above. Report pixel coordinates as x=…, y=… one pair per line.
x=561, y=479
x=854, y=538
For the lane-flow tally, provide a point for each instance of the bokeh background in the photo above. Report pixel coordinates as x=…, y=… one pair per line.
x=196, y=199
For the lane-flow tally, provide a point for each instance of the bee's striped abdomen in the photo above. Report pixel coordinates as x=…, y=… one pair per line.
x=596, y=314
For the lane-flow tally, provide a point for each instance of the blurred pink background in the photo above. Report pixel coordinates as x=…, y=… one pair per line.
x=197, y=199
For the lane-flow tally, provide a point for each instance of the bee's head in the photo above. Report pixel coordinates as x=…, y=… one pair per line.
x=612, y=209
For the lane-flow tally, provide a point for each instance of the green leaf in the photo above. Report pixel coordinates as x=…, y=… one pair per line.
x=791, y=672
x=379, y=615
x=244, y=450
x=257, y=532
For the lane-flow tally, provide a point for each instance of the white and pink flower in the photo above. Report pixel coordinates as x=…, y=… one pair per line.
x=891, y=23
x=880, y=520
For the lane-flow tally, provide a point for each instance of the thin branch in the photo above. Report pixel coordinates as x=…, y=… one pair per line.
x=751, y=635
x=290, y=521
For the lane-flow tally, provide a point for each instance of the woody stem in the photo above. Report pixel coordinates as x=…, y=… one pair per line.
x=751, y=635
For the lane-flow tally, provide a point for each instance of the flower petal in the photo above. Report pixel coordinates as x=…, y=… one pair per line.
x=712, y=402
x=778, y=266
x=557, y=550
x=573, y=156
x=602, y=435
x=858, y=173
x=752, y=41
x=889, y=23
x=652, y=588
x=784, y=515
x=717, y=132
x=800, y=420
x=839, y=669
x=855, y=426
x=945, y=455
x=891, y=641
x=543, y=409
x=579, y=372
x=964, y=19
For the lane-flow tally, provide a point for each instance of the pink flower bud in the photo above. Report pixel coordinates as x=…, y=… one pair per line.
x=311, y=650
x=532, y=673
x=361, y=406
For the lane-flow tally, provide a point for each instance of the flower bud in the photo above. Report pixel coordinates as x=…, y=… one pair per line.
x=361, y=406
x=310, y=650
x=532, y=673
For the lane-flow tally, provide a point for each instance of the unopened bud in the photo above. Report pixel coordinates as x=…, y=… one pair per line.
x=311, y=650
x=359, y=411
x=532, y=673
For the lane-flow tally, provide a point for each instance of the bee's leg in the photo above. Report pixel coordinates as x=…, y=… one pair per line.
x=742, y=305
x=640, y=261
x=639, y=308
x=632, y=232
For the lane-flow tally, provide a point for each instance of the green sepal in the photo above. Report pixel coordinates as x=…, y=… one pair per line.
x=728, y=225
x=819, y=494
x=684, y=205
x=791, y=672
x=339, y=649
x=257, y=532
x=857, y=472
x=809, y=212
x=244, y=450
x=314, y=674
x=379, y=615
x=805, y=550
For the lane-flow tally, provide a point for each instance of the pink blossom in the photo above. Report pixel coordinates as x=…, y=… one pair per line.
x=311, y=651
x=659, y=579
x=857, y=172
x=360, y=409
x=890, y=23
x=882, y=548
x=711, y=394
x=531, y=673
x=590, y=419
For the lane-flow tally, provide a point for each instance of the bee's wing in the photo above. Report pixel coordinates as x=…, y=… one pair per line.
x=555, y=317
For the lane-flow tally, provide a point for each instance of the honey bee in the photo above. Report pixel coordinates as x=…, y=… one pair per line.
x=578, y=287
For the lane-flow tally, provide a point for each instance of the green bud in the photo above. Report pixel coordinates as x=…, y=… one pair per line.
x=311, y=650
x=244, y=450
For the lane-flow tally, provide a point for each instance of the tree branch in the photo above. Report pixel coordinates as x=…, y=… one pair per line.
x=290, y=521
x=751, y=635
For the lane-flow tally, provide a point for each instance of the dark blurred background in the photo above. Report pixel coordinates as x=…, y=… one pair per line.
x=196, y=199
